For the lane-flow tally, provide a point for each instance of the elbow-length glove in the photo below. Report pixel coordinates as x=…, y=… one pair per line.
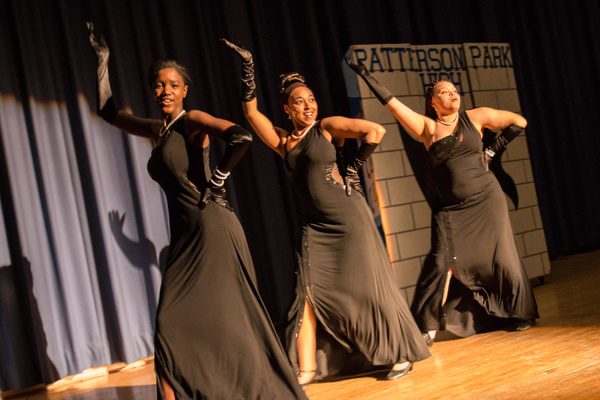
x=105, y=104
x=248, y=84
x=507, y=135
x=382, y=94
x=238, y=141
x=351, y=179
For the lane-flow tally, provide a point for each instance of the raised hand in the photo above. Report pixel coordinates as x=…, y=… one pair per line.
x=248, y=84
x=383, y=95
x=105, y=105
x=98, y=43
x=243, y=53
x=360, y=69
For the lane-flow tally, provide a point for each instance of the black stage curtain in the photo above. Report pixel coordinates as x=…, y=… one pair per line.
x=83, y=229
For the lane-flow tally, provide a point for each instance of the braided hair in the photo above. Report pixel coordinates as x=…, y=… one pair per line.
x=287, y=83
x=429, y=110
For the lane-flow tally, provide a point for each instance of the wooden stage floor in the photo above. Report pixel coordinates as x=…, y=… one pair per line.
x=557, y=359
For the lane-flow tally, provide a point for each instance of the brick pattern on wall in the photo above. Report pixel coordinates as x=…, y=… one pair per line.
x=483, y=74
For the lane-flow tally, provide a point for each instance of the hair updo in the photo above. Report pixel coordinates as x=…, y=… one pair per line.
x=159, y=65
x=287, y=83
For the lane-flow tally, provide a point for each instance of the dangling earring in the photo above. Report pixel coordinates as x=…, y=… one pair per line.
x=289, y=116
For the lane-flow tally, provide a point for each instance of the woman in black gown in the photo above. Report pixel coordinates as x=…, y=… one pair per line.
x=473, y=279
x=348, y=316
x=213, y=338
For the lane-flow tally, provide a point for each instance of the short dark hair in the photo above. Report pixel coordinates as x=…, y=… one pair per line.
x=163, y=64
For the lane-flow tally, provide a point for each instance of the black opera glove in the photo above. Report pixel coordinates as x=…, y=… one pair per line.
x=105, y=105
x=351, y=178
x=238, y=141
x=215, y=191
x=217, y=195
x=505, y=137
x=383, y=95
x=248, y=84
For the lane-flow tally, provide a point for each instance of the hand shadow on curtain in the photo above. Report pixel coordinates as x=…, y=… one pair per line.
x=23, y=348
x=141, y=254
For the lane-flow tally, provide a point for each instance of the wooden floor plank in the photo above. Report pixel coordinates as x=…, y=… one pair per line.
x=559, y=358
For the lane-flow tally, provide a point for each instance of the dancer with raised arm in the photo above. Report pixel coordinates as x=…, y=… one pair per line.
x=349, y=317
x=213, y=338
x=472, y=238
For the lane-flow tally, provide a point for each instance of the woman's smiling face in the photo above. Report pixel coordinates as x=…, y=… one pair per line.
x=302, y=107
x=169, y=91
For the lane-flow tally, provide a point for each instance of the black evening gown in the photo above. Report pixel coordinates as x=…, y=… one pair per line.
x=472, y=235
x=345, y=273
x=213, y=339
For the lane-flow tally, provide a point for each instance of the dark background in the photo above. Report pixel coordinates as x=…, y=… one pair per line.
x=45, y=55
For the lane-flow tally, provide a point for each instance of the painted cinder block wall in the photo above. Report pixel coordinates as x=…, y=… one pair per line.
x=484, y=76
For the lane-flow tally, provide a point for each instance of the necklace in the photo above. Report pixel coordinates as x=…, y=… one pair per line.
x=304, y=132
x=165, y=129
x=448, y=123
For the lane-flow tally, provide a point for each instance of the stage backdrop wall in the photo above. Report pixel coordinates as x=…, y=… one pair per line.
x=483, y=74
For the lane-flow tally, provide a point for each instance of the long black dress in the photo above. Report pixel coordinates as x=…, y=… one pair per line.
x=213, y=339
x=345, y=273
x=472, y=235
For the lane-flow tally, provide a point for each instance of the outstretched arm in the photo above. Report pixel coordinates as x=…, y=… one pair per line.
x=271, y=135
x=105, y=104
x=413, y=122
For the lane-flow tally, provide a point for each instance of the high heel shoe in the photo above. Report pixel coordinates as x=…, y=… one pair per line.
x=523, y=325
x=305, y=384
x=395, y=374
x=427, y=338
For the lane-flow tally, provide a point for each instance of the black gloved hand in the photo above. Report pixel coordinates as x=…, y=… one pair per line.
x=505, y=137
x=215, y=191
x=105, y=104
x=217, y=195
x=238, y=141
x=351, y=178
x=487, y=158
x=341, y=164
x=248, y=84
x=383, y=95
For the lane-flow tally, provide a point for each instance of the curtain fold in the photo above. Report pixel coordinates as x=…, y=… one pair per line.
x=83, y=228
